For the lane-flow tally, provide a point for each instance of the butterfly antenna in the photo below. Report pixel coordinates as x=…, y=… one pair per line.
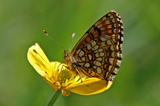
x=71, y=41
x=53, y=39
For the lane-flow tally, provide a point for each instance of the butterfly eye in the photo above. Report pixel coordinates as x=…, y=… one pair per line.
x=66, y=55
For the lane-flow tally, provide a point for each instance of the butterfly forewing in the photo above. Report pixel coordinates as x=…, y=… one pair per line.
x=99, y=52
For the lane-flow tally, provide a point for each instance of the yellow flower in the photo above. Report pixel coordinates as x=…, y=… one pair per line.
x=60, y=78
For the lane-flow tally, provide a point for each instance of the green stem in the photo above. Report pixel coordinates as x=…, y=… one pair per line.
x=54, y=98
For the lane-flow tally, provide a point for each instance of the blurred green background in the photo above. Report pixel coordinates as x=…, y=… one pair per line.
x=22, y=23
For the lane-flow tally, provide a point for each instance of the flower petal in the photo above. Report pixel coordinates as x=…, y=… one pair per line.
x=39, y=61
x=90, y=86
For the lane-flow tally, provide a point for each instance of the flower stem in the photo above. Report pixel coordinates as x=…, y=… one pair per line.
x=54, y=98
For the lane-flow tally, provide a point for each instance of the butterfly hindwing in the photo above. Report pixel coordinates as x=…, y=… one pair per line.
x=99, y=52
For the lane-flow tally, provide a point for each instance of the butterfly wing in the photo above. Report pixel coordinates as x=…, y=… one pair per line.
x=99, y=52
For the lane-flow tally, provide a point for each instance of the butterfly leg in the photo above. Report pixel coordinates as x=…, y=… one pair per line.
x=60, y=73
x=79, y=74
x=68, y=68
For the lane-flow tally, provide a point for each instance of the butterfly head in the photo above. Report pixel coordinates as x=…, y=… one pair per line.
x=66, y=56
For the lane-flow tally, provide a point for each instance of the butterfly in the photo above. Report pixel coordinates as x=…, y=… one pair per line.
x=99, y=51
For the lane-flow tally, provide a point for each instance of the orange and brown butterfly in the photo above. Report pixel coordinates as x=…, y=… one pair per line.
x=99, y=51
